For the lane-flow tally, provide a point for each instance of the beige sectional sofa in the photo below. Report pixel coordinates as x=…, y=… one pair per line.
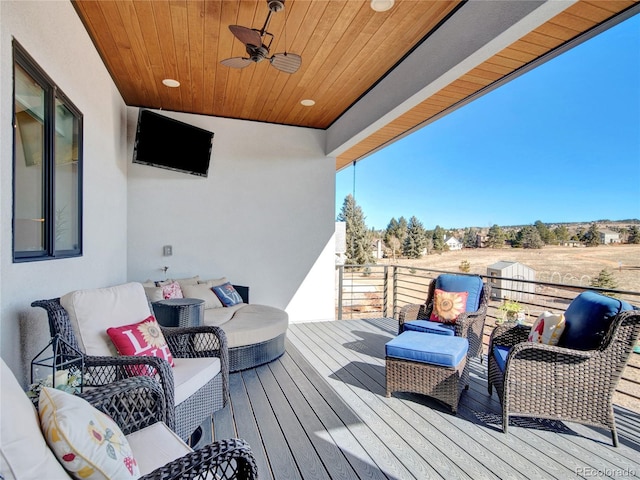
x=255, y=333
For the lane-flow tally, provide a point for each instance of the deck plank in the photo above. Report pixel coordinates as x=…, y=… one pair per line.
x=320, y=411
x=281, y=459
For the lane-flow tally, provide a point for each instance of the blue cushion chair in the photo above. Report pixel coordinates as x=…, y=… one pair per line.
x=469, y=325
x=575, y=380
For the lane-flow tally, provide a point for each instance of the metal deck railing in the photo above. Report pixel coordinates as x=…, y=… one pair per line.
x=382, y=290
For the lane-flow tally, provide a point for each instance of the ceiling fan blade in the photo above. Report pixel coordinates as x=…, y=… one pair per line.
x=286, y=62
x=236, y=62
x=246, y=35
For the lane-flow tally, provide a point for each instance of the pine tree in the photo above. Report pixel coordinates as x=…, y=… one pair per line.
x=359, y=238
x=395, y=234
x=438, y=239
x=605, y=279
x=529, y=237
x=469, y=239
x=592, y=236
x=634, y=235
x=546, y=234
x=495, y=237
x=562, y=233
x=415, y=242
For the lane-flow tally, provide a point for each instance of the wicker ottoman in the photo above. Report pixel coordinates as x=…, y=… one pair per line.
x=429, y=364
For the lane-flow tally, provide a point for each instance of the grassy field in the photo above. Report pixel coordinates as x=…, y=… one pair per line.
x=571, y=265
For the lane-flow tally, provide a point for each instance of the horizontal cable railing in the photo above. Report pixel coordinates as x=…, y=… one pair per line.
x=382, y=290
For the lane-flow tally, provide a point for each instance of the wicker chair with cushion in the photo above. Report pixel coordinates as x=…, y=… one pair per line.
x=574, y=380
x=194, y=388
x=70, y=438
x=469, y=323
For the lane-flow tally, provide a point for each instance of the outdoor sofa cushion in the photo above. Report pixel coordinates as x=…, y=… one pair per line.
x=20, y=432
x=588, y=318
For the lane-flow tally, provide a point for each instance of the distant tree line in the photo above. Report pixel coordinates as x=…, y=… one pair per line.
x=410, y=239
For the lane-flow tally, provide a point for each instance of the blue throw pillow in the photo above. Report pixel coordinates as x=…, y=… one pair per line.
x=227, y=294
x=462, y=283
x=588, y=319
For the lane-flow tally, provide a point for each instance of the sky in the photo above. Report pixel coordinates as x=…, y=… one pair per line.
x=560, y=143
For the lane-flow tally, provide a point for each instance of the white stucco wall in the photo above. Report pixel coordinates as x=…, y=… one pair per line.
x=264, y=217
x=53, y=35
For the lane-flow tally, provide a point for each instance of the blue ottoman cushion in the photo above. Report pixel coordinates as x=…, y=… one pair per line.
x=501, y=353
x=430, y=348
x=588, y=318
x=462, y=283
x=427, y=326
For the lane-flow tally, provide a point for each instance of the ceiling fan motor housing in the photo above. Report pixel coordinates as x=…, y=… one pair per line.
x=275, y=5
x=257, y=54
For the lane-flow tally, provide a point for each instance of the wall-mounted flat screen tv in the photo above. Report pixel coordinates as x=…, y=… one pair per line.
x=167, y=143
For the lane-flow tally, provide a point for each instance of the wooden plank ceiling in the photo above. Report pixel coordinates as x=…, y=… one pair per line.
x=345, y=46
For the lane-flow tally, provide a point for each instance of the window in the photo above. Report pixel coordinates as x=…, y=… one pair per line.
x=47, y=166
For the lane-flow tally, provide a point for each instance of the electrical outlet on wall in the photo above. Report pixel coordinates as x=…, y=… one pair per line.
x=167, y=250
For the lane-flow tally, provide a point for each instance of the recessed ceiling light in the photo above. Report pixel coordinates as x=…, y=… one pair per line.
x=381, y=5
x=170, y=82
x=307, y=102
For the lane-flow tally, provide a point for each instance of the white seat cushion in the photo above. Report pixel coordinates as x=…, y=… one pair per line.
x=217, y=317
x=155, y=446
x=255, y=324
x=24, y=454
x=92, y=311
x=191, y=374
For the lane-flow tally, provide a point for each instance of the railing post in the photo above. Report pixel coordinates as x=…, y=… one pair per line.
x=395, y=290
x=385, y=294
x=340, y=284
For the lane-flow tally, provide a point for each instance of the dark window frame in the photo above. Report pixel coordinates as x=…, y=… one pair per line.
x=52, y=94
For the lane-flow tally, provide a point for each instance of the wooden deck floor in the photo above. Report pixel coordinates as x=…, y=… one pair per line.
x=320, y=412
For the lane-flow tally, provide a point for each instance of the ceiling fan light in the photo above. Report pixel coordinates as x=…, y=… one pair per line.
x=381, y=5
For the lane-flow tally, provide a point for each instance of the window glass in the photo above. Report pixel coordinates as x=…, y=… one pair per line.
x=66, y=179
x=29, y=174
x=47, y=167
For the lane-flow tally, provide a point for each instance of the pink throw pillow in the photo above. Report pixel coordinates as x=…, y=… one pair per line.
x=141, y=339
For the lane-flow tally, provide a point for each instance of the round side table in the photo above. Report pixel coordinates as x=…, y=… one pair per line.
x=179, y=312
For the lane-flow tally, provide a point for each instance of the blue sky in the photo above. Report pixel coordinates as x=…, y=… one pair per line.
x=558, y=144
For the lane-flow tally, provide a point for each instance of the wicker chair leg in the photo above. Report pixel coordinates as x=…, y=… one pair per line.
x=614, y=436
x=505, y=420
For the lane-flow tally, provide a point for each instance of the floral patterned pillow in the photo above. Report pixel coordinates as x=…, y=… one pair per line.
x=88, y=444
x=142, y=339
x=172, y=290
x=448, y=305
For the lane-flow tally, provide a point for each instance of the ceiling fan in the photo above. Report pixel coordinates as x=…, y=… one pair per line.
x=258, y=42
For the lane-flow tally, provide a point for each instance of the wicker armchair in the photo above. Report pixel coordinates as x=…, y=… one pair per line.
x=561, y=383
x=138, y=402
x=469, y=325
x=189, y=342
